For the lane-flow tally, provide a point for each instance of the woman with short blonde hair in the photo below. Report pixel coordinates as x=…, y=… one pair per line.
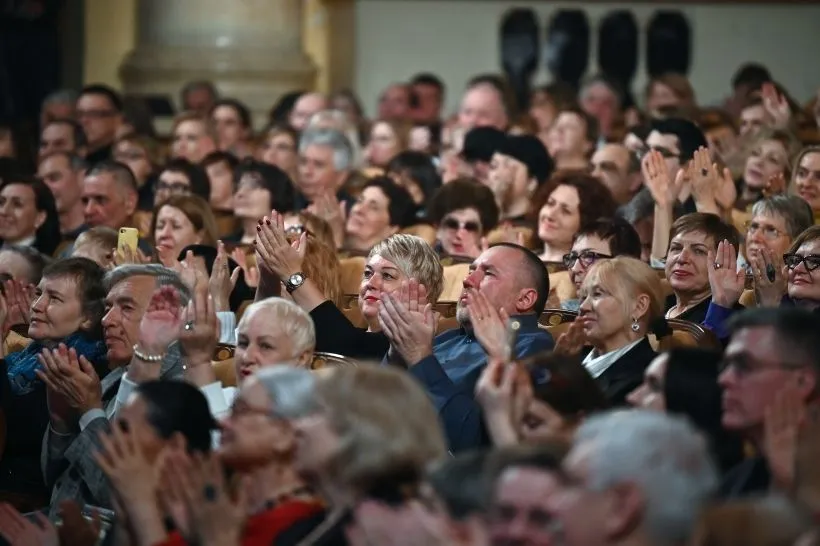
x=622, y=302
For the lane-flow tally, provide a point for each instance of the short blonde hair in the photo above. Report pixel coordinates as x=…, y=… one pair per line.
x=386, y=423
x=292, y=320
x=416, y=259
x=627, y=278
x=104, y=237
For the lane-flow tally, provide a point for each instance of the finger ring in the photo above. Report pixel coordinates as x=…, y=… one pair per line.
x=717, y=265
x=209, y=492
x=189, y=326
x=704, y=171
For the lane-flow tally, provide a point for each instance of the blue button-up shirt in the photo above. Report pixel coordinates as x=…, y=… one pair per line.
x=450, y=375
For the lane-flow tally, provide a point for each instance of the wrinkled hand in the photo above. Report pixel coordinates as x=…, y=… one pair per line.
x=133, y=476
x=571, y=342
x=768, y=293
x=222, y=280
x=489, y=325
x=77, y=530
x=215, y=518
x=279, y=256
x=160, y=323
x=250, y=271
x=781, y=426
x=19, y=531
x=410, y=334
x=72, y=377
x=199, y=342
x=659, y=180
x=726, y=282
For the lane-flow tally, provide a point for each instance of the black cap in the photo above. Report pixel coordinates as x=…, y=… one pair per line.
x=481, y=143
x=530, y=151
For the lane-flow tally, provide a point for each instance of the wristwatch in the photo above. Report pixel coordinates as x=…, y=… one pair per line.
x=294, y=281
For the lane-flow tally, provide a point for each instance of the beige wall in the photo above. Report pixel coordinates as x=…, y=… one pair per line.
x=110, y=34
x=459, y=38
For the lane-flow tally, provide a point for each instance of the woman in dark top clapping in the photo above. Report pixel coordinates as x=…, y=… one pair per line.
x=66, y=314
x=396, y=259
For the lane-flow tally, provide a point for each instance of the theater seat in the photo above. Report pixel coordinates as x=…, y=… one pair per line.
x=454, y=276
x=556, y=321
x=223, y=364
x=331, y=360
x=686, y=334
x=425, y=231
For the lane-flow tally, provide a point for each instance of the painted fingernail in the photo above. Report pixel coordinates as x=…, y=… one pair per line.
x=267, y=221
x=258, y=228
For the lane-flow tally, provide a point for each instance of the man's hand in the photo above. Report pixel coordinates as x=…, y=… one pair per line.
x=489, y=325
x=72, y=377
x=160, y=323
x=222, y=280
x=410, y=333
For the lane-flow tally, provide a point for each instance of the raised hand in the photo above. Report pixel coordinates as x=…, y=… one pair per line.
x=571, y=342
x=250, y=271
x=726, y=282
x=705, y=181
x=222, y=280
x=410, y=334
x=192, y=271
x=769, y=273
x=160, y=323
x=489, y=325
x=726, y=193
x=72, y=377
x=776, y=185
x=198, y=336
x=776, y=105
x=334, y=212
x=19, y=531
x=124, y=255
x=658, y=179
x=278, y=255
x=18, y=298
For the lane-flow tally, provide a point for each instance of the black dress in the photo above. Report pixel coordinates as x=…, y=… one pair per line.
x=626, y=374
x=336, y=334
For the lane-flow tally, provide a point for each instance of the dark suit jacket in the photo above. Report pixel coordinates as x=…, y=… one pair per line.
x=626, y=374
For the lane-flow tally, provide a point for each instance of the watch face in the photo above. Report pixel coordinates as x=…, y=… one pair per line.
x=296, y=279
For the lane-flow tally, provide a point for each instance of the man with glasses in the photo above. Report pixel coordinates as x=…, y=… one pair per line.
x=772, y=353
x=603, y=239
x=99, y=111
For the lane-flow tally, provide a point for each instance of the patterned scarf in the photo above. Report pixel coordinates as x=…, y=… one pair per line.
x=22, y=364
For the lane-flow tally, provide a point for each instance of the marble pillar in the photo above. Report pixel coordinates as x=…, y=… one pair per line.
x=251, y=49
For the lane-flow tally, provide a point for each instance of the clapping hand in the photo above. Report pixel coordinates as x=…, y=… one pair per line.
x=504, y=392
x=659, y=180
x=199, y=335
x=776, y=105
x=279, y=256
x=72, y=377
x=250, y=271
x=705, y=181
x=19, y=531
x=489, y=325
x=770, y=275
x=160, y=323
x=410, y=325
x=222, y=280
x=775, y=186
x=726, y=282
x=18, y=299
x=334, y=212
x=571, y=342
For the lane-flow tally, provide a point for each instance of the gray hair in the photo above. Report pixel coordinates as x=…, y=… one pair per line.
x=331, y=138
x=293, y=321
x=794, y=210
x=292, y=390
x=663, y=455
x=416, y=259
x=163, y=275
x=336, y=119
x=61, y=96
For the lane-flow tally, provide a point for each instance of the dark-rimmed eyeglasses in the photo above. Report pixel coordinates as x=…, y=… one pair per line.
x=811, y=261
x=471, y=225
x=587, y=257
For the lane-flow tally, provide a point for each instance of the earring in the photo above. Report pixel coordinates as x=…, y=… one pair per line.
x=635, y=325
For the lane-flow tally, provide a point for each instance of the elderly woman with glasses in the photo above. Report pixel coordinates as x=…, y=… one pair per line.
x=603, y=239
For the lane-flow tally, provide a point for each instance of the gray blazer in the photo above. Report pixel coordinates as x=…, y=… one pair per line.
x=67, y=461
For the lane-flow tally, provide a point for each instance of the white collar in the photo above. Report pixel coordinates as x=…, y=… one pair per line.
x=597, y=364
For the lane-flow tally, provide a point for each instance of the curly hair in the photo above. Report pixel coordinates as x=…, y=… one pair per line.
x=594, y=199
x=465, y=193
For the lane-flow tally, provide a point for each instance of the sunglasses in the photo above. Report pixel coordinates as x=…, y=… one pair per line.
x=587, y=257
x=811, y=261
x=470, y=226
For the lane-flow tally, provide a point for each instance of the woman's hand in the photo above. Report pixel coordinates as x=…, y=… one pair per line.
x=19, y=531
x=19, y=298
x=769, y=273
x=73, y=379
x=726, y=282
x=705, y=181
x=124, y=255
x=160, y=323
x=198, y=337
x=215, y=517
x=222, y=280
x=776, y=185
x=571, y=342
x=777, y=107
x=277, y=253
x=659, y=181
x=251, y=271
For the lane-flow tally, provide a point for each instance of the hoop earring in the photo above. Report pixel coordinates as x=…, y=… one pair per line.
x=635, y=325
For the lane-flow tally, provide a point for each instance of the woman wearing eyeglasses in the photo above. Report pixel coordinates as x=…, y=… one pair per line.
x=463, y=211
x=603, y=239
